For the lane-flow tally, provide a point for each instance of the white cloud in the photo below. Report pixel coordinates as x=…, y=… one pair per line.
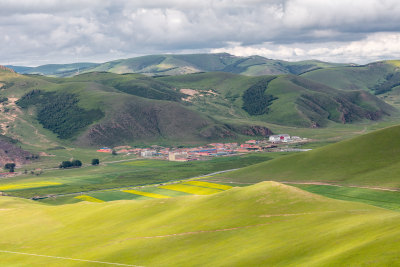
x=374, y=47
x=59, y=31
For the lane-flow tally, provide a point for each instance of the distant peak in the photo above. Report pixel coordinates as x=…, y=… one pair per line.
x=6, y=69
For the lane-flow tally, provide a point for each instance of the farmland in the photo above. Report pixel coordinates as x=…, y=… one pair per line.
x=123, y=174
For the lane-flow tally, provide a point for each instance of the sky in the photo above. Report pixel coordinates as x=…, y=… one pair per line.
x=37, y=32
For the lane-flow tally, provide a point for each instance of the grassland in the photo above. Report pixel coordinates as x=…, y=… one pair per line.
x=368, y=160
x=380, y=198
x=267, y=224
x=125, y=174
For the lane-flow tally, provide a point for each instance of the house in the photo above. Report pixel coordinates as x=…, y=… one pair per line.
x=148, y=153
x=279, y=138
x=105, y=150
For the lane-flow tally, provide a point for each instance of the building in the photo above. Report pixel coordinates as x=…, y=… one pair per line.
x=105, y=150
x=180, y=156
x=279, y=138
x=148, y=153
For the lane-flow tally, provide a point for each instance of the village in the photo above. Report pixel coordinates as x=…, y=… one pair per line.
x=275, y=143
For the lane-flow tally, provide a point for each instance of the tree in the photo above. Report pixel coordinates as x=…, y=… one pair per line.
x=114, y=152
x=65, y=164
x=10, y=167
x=76, y=163
x=95, y=162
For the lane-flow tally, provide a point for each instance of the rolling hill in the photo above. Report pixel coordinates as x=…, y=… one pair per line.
x=107, y=109
x=182, y=64
x=283, y=100
x=264, y=224
x=377, y=77
x=369, y=160
x=102, y=108
x=57, y=70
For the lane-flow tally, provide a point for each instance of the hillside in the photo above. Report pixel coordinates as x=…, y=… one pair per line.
x=265, y=224
x=108, y=109
x=377, y=77
x=182, y=64
x=58, y=70
x=283, y=100
x=98, y=109
x=368, y=160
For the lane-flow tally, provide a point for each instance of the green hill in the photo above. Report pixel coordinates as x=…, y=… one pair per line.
x=284, y=99
x=378, y=77
x=368, y=160
x=101, y=108
x=58, y=70
x=268, y=224
x=192, y=63
x=182, y=64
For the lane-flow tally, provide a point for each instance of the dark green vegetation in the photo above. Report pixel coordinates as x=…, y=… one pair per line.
x=9, y=167
x=70, y=164
x=255, y=100
x=368, y=160
x=60, y=112
x=123, y=174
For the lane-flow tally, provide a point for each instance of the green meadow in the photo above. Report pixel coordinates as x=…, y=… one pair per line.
x=371, y=160
x=267, y=224
x=125, y=174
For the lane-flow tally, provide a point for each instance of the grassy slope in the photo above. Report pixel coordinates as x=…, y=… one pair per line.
x=264, y=224
x=192, y=63
x=292, y=106
x=369, y=160
x=351, y=78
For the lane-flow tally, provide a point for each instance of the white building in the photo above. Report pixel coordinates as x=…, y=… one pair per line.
x=279, y=138
x=148, y=153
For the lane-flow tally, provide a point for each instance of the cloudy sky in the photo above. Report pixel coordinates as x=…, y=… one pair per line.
x=36, y=32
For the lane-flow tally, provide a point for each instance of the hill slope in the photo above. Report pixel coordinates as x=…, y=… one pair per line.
x=265, y=224
x=285, y=99
x=378, y=77
x=58, y=70
x=97, y=109
x=368, y=160
x=182, y=64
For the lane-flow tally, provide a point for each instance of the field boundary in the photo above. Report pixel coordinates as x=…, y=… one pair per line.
x=66, y=258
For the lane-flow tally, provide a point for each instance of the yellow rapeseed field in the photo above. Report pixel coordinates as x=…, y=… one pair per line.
x=27, y=185
x=146, y=194
x=89, y=198
x=209, y=185
x=196, y=190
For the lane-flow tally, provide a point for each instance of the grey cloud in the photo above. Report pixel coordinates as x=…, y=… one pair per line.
x=60, y=31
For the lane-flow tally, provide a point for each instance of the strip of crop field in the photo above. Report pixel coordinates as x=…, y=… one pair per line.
x=209, y=185
x=89, y=198
x=27, y=185
x=146, y=194
x=196, y=190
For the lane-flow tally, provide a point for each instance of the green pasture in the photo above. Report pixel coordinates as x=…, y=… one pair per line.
x=380, y=198
x=368, y=160
x=268, y=224
x=126, y=174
